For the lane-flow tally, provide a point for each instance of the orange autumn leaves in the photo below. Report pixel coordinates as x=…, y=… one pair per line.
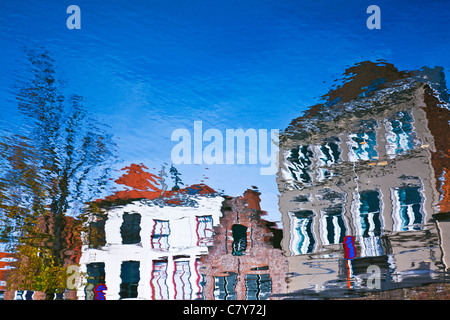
x=140, y=184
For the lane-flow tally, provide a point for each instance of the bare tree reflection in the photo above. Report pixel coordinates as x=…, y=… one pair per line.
x=60, y=160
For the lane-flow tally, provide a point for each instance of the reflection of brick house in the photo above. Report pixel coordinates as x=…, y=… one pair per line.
x=244, y=263
x=439, y=119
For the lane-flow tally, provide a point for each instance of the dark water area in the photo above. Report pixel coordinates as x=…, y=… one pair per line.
x=94, y=206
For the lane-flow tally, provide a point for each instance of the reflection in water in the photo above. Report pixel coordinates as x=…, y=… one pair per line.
x=48, y=170
x=364, y=200
x=246, y=261
x=381, y=184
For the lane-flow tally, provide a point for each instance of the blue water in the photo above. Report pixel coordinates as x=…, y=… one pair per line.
x=146, y=68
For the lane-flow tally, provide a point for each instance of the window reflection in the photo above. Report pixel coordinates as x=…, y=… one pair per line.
x=160, y=235
x=369, y=213
x=131, y=227
x=407, y=211
x=95, y=278
x=258, y=286
x=239, y=245
x=399, y=133
x=159, y=281
x=300, y=162
x=302, y=233
x=327, y=155
x=183, y=288
x=332, y=225
x=369, y=222
x=204, y=230
x=362, y=144
x=130, y=277
x=225, y=287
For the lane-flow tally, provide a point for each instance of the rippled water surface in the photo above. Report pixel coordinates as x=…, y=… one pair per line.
x=95, y=203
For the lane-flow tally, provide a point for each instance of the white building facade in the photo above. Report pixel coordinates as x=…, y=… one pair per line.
x=151, y=251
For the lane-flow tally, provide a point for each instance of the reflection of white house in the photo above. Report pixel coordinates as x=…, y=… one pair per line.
x=368, y=175
x=151, y=251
